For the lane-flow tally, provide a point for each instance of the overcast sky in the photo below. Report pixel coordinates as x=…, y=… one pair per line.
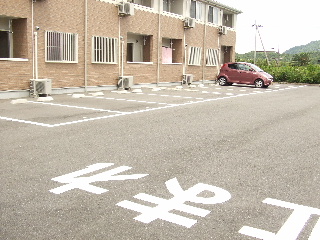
x=285, y=23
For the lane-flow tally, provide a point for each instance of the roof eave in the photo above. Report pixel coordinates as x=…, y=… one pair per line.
x=225, y=7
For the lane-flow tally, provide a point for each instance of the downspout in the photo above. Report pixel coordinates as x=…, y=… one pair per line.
x=122, y=57
x=204, y=43
x=185, y=52
x=36, y=55
x=121, y=53
x=32, y=40
x=219, y=50
x=159, y=42
x=86, y=46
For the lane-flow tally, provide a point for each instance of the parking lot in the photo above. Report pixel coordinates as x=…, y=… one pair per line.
x=76, y=108
x=199, y=162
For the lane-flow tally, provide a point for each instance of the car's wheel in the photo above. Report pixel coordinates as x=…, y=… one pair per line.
x=222, y=81
x=259, y=83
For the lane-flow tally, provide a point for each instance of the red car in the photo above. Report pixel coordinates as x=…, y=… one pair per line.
x=243, y=73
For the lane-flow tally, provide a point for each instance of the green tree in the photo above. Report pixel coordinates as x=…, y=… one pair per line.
x=301, y=59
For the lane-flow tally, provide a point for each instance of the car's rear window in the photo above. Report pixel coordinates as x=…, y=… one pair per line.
x=232, y=66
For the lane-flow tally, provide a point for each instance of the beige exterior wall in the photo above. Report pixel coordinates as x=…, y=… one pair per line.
x=17, y=74
x=103, y=21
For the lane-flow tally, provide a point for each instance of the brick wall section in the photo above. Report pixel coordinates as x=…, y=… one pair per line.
x=17, y=75
x=69, y=16
x=16, y=8
x=103, y=21
x=61, y=16
x=145, y=23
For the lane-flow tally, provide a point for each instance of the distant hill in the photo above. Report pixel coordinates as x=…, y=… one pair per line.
x=313, y=46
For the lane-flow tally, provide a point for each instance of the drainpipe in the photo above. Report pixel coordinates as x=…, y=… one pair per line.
x=121, y=48
x=204, y=44
x=86, y=46
x=122, y=56
x=32, y=40
x=159, y=42
x=35, y=55
x=185, y=45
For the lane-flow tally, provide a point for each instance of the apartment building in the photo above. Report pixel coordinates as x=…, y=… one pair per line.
x=85, y=44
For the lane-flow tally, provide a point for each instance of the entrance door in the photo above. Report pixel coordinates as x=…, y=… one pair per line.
x=4, y=44
x=226, y=54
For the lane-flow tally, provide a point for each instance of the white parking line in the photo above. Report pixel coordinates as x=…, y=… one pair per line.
x=119, y=113
x=25, y=121
x=71, y=106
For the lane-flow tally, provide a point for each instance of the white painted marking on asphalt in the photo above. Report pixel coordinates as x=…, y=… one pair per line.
x=25, y=121
x=292, y=227
x=177, y=202
x=74, y=181
x=315, y=234
x=71, y=106
x=118, y=113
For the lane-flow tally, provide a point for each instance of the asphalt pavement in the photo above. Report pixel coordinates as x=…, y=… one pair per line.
x=200, y=162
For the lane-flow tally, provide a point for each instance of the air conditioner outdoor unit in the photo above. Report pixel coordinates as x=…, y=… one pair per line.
x=187, y=79
x=40, y=86
x=125, y=82
x=189, y=23
x=223, y=30
x=126, y=9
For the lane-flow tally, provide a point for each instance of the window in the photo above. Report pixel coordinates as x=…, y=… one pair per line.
x=104, y=49
x=196, y=10
x=171, y=50
x=213, y=15
x=233, y=66
x=173, y=6
x=212, y=57
x=167, y=5
x=146, y=3
x=139, y=48
x=194, y=56
x=228, y=20
x=61, y=47
x=244, y=67
x=13, y=38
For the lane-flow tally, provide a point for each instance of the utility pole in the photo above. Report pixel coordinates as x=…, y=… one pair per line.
x=255, y=43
